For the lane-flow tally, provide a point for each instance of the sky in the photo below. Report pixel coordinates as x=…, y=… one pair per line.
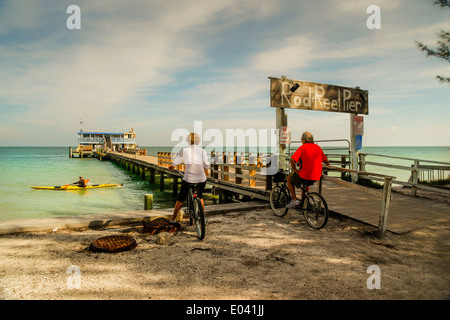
x=163, y=66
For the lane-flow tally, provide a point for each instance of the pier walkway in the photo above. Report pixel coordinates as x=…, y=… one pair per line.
x=405, y=214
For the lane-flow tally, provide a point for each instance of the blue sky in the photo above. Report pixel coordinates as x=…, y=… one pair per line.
x=158, y=66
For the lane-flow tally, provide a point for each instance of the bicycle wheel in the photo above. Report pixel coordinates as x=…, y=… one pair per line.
x=316, y=212
x=199, y=218
x=278, y=201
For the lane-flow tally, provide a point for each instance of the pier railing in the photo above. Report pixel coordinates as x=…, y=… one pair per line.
x=242, y=168
x=420, y=171
x=385, y=195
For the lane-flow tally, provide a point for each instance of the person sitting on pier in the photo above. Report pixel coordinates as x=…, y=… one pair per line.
x=196, y=163
x=310, y=157
x=81, y=183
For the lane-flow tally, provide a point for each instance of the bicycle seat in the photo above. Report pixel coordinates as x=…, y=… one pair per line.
x=306, y=185
x=280, y=176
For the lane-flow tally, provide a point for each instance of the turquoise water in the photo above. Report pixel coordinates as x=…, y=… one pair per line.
x=22, y=167
x=440, y=154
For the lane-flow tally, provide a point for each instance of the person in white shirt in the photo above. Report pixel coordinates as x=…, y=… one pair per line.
x=196, y=163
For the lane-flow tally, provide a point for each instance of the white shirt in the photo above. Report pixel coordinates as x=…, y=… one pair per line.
x=195, y=161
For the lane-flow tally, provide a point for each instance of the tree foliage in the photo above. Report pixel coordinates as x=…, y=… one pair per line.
x=442, y=50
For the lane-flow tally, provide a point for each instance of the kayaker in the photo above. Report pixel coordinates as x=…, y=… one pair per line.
x=81, y=183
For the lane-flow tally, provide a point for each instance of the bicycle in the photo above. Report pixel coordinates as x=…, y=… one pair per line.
x=195, y=210
x=313, y=205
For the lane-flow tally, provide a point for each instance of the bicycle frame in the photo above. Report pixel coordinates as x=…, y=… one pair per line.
x=285, y=188
x=313, y=205
x=195, y=216
x=192, y=194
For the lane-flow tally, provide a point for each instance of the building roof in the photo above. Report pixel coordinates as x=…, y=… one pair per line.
x=88, y=132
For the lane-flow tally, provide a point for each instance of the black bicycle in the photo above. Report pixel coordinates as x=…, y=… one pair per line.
x=313, y=206
x=195, y=210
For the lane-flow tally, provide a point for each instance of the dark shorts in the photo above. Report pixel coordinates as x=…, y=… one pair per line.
x=297, y=181
x=184, y=190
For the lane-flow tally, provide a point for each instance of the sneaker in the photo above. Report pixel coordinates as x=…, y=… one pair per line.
x=293, y=204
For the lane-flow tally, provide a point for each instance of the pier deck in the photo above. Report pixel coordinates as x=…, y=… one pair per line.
x=406, y=213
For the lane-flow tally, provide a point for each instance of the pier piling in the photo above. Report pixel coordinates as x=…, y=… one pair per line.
x=161, y=181
x=148, y=201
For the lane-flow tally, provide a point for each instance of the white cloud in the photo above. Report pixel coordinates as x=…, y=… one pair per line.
x=117, y=69
x=109, y=65
x=290, y=53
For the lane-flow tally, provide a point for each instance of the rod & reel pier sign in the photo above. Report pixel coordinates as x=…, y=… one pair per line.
x=296, y=94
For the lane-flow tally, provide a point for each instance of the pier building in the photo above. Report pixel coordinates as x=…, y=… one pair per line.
x=90, y=142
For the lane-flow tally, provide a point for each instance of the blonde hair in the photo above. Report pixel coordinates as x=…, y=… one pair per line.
x=193, y=138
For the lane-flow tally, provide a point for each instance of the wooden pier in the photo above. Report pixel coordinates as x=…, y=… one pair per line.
x=244, y=177
x=227, y=179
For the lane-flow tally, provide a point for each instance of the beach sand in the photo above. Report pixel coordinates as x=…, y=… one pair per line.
x=245, y=255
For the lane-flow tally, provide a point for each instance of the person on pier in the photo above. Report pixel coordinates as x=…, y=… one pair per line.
x=309, y=156
x=196, y=163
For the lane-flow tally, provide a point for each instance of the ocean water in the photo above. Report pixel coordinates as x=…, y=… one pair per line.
x=427, y=155
x=22, y=167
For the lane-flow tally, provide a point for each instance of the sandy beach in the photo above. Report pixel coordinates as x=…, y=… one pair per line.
x=245, y=255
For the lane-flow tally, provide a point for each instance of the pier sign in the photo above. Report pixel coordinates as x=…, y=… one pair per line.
x=285, y=135
x=358, y=125
x=358, y=142
x=296, y=94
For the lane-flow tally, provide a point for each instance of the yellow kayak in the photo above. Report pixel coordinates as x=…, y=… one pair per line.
x=71, y=187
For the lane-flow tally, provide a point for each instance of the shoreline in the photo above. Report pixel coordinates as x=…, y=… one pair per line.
x=52, y=224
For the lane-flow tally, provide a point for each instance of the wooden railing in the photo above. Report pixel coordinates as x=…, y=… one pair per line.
x=242, y=168
x=385, y=195
x=418, y=171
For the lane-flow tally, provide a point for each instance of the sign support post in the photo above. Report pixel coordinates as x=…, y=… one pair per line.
x=356, y=132
x=353, y=151
x=281, y=121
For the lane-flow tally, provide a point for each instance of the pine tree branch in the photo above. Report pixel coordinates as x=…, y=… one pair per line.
x=443, y=80
x=443, y=3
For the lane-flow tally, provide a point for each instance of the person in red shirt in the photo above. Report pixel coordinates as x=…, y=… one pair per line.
x=310, y=157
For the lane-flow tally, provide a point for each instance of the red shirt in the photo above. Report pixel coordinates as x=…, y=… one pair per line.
x=310, y=156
